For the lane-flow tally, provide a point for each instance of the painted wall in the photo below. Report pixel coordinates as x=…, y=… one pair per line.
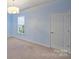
x=37, y=21
x=9, y=24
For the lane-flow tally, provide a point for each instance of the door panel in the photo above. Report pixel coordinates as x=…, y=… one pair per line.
x=57, y=37
x=60, y=31
x=67, y=32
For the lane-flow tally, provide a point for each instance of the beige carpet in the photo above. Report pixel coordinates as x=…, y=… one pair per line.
x=19, y=49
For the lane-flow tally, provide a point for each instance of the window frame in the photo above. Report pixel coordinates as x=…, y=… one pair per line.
x=19, y=25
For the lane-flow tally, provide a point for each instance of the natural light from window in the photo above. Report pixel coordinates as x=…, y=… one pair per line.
x=21, y=21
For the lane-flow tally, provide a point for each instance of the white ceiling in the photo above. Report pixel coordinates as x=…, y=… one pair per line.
x=22, y=4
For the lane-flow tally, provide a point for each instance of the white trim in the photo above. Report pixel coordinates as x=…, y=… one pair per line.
x=21, y=38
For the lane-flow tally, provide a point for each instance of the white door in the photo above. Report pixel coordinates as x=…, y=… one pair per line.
x=57, y=31
x=60, y=31
x=67, y=32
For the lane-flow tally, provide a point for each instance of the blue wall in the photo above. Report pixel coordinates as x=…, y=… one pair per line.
x=9, y=24
x=37, y=21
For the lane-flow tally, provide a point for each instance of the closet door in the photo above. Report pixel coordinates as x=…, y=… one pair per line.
x=67, y=31
x=57, y=31
x=60, y=31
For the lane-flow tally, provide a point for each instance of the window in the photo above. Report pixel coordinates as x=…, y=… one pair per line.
x=21, y=25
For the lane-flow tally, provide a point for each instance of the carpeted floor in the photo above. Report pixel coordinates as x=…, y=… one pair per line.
x=19, y=49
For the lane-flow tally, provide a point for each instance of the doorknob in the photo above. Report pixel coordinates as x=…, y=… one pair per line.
x=51, y=32
x=68, y=31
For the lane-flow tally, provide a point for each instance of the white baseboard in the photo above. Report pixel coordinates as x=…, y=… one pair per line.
x=9, y=35
x=21, y=38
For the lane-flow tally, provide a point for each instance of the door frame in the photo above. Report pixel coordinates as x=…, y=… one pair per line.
x=69, y=12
